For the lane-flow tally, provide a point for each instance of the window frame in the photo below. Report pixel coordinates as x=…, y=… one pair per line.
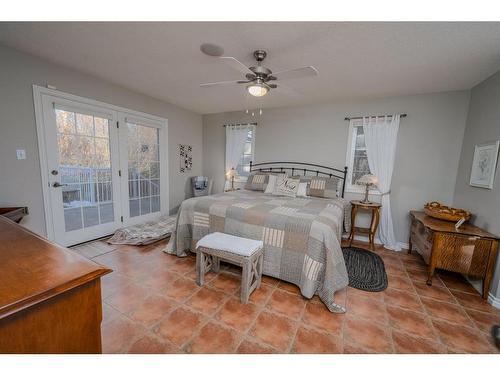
x=351, y=149
x=245, y=178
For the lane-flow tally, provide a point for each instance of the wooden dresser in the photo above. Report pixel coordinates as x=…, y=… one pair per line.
x=468, y=250
x=50, y=297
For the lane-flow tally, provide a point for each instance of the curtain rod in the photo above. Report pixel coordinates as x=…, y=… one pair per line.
x=247, y=123
x=361, y=117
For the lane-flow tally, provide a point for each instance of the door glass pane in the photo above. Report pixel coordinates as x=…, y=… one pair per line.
x=73, y=219
x=84, y=124
x=134, y=207
x=84, y=169
x=143, y=169
x=65, y=122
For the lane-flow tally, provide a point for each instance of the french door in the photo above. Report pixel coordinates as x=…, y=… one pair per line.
x=103, y=167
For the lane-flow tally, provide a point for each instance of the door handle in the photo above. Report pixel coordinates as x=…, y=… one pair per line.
x=57, y=184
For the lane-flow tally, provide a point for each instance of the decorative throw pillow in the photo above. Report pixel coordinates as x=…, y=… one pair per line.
x=323, y=187
x=287, y=186
x=257, y=181
x=302, y=190
x=271, y=184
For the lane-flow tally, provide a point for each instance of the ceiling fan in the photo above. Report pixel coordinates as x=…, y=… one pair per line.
x=259, y=80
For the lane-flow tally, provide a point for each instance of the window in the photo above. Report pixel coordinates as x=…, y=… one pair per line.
x=243, y=167
x=357, y=160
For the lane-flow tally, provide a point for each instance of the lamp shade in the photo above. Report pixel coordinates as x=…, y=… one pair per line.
x=368, y=179
x=231, y=173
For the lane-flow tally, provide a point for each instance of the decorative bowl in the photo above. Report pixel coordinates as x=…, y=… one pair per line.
x=439, y=211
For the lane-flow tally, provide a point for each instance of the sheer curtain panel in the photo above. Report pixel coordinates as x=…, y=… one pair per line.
x=381, y=134
x=236, y=136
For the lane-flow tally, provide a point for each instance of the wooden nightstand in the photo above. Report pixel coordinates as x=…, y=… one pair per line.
x=374, y=208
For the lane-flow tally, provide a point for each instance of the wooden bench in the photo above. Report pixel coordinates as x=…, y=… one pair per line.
x=243, y=252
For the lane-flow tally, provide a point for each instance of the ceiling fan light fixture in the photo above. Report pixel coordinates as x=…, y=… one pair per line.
x=257, y=89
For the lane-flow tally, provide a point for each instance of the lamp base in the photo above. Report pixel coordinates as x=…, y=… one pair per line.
x=366, y=195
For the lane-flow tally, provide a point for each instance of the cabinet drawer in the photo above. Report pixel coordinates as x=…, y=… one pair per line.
x=421, y=239
x=465, y=254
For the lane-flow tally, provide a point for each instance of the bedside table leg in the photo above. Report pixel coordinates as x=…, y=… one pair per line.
x=374, y=226
x=353, y=224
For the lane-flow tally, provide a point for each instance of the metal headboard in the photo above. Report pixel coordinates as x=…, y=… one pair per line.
x=298, y=168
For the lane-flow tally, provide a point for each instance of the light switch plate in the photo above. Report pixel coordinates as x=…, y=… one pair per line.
x=21, y=154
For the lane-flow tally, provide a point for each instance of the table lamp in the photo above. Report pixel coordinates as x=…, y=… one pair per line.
x=231, y=174
x=369, y=181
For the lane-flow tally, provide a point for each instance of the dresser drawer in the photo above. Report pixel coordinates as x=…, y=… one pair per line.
x=421, y=238
x=464, y=254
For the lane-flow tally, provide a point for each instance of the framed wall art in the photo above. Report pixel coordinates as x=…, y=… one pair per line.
x=484, y=165
x=186, y=158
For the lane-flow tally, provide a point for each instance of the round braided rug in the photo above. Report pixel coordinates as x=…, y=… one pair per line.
x=365, y=269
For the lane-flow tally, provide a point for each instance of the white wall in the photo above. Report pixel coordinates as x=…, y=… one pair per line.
x=483, y=125
x=20, y=181
x=429, y=143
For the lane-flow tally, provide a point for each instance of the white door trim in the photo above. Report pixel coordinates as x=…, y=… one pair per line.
x=38, y=95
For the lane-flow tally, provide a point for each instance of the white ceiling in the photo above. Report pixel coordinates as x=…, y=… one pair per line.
x=163, y=60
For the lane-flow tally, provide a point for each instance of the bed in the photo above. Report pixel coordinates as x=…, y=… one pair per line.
x=301, y=235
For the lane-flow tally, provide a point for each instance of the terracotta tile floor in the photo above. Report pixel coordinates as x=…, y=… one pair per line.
x=153, y=305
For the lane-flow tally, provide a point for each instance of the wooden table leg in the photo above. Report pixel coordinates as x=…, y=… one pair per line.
x=373, y=227
x=409, y=238
x=353, y=224
x=489, y=270
x=432, y=261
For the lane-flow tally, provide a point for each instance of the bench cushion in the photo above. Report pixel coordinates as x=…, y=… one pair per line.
x=229, y=243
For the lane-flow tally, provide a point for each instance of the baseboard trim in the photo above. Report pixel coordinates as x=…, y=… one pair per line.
x=401, y=245
x=404, y=245
x=478, y=285
x=493, y=301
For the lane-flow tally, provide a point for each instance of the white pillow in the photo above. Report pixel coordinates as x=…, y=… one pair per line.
x=302, y=190
x=286, y=186
x=271, y=184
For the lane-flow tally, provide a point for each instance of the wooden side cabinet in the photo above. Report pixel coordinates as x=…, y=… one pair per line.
x=50, y=297
x=468, y=250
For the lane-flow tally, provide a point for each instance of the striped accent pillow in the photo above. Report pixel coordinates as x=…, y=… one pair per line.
x=257, y=181
x=323, y=187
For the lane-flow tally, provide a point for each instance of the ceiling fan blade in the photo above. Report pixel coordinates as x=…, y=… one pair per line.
x=282, y=89
x=306, y=71
x=221, y=83
x=236, y=64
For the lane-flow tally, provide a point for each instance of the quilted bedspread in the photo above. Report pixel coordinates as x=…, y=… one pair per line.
x=301, y=236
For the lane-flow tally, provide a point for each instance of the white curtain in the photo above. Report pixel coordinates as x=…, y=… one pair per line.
x=236, y=136
x=381, y=135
